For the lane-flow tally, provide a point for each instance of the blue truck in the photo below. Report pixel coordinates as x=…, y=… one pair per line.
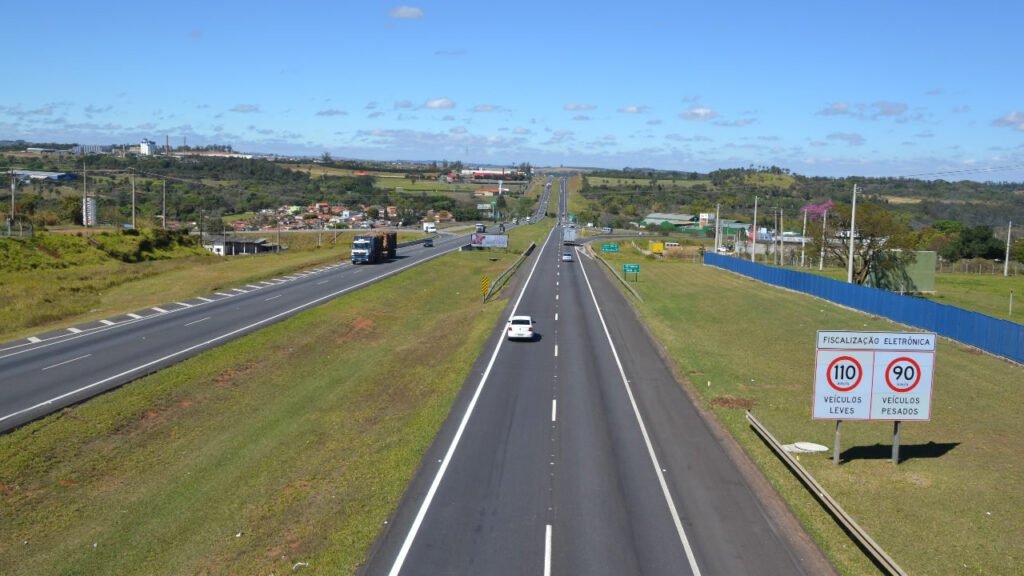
x=374, y=248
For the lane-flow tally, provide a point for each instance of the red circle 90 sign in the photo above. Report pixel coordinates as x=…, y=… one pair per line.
x=844, y=373
x=903, y=374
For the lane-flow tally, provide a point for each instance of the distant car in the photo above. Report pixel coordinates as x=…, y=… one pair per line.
x=566, y=256
x=428, y=243
x=520, y=328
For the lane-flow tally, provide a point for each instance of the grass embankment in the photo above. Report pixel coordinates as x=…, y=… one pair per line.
x=955, y=505
x=290, y=445
x=76, y=282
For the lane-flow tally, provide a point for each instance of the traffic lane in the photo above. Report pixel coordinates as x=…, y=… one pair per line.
x=717, y=490
x=488, y=515
x=612, y=517
x=485, y=510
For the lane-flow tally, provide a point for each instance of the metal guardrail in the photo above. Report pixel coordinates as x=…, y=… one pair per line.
x=878, y=556
x=504, y=276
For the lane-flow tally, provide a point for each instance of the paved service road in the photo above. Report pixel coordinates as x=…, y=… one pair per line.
x=578, y=453
x=43, y=374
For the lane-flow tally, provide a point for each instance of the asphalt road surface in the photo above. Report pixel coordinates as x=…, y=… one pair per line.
x=47, y=372
x=579, y=453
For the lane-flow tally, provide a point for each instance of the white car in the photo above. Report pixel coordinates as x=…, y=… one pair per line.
x=566, y=256
x=520, y=328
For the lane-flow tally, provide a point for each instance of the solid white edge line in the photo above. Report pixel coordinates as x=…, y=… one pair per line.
x=647, y=439
x=65, y=362
x=223, y=336
x=547, y=550
x=415, y=528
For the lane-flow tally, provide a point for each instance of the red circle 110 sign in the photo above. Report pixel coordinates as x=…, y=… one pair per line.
x=844, y=373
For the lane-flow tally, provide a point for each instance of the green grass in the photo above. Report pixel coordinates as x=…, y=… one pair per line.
x=290, y=445
x=643, y=182
x=985, y=293
x=955, y=506
x=45, y=299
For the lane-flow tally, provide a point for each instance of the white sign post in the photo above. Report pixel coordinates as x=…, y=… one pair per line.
x=873, y=376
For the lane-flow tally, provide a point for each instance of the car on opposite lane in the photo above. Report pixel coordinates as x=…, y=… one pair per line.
x=520, y=328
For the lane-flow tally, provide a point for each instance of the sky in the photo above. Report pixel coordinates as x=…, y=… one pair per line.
x=908, y=88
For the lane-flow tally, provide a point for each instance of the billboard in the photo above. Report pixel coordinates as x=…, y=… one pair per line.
x=483, y=207
x=489, y=241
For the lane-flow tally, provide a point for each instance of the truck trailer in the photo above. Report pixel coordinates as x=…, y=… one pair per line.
x=374, y=248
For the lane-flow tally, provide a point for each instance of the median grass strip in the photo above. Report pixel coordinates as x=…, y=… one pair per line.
x=955, y=505
x=291, y=445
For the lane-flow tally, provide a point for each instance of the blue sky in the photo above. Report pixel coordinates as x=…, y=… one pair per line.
x=874, y=88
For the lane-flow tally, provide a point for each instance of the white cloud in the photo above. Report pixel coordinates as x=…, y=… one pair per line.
x=574, y=107
x=521, y=131
x=332, y=112
x=848, y=137
x=245, y=108
x=736, y=123
x=1013, y=120
x=841, y=109
x=884, y=108
x=458, y=130
x=699, y=113
x=653, y=122
x=581, y=117
x=439, y=104
x=633, y=109
x=371, y=105
x=400, y=104
x=485, y=108
x=448, y=118
x=406, y=13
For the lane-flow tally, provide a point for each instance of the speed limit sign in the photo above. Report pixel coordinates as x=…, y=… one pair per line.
x=903, y=385
x=873, y=376
x=842, y=389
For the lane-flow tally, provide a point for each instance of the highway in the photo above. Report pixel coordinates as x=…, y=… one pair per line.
x=47, y=372
x=579, y=453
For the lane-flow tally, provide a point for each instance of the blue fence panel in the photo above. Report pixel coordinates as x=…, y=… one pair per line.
x=1000, y=337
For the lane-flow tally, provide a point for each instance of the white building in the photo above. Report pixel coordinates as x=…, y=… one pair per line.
x=147, y=147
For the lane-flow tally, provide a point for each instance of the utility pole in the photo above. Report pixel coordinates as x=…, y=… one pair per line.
x=718, y=241
x=163, y=218
x=1006, y=261
x=133, y=198
x=803, y=240
x=782, y=236
x=753, y=245
x=85, y=196
x=10, y=219
x=821, y=253
x=853, y=228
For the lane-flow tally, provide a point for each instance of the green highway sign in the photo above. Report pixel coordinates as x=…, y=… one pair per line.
x=609, y=247
x=631, y=268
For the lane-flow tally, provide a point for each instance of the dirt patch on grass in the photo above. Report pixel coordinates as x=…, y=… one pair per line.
x=359, y=327
x=733, y=402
